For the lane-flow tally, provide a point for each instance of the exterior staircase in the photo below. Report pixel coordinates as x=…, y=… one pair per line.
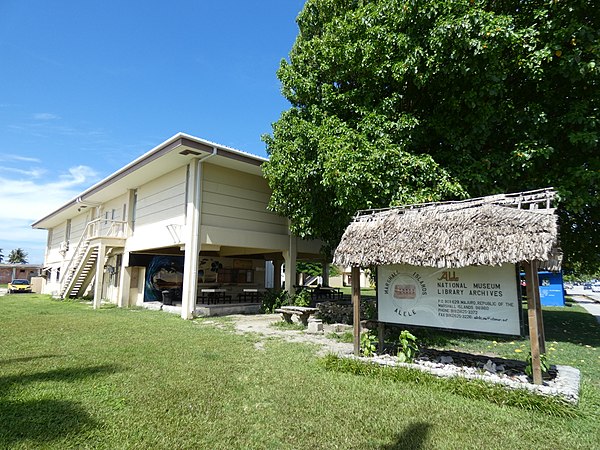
x=81, y=268
x=80, y=272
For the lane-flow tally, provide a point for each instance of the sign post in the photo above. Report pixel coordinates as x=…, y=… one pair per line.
x=534, y=316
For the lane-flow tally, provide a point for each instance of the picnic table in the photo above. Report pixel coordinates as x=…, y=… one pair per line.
x=215, y=296
x=321, y=292
x=302, y=312
x=327, y=292
x=250, y=294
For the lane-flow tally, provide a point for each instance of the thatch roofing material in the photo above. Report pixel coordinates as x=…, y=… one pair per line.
x=450, y=235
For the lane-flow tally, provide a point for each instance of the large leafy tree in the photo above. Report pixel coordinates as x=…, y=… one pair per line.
x=403, y=101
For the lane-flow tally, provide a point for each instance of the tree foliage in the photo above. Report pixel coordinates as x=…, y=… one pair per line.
x=17, y=256
x=313, y=269
x=405, y=101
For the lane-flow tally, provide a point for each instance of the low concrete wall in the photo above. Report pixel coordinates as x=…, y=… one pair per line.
x=37, y=284
x=225, y=310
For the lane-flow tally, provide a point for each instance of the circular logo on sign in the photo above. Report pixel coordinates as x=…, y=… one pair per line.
x=405, y=290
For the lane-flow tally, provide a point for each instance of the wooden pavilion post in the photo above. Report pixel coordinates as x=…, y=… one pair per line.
x=534, y=315
x=537, y=306
x=355, y=274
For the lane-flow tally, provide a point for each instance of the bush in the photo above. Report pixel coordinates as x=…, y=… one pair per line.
x=367, y=343
x=407, y=347
x=302, y=298
x=543, y=363
x=272, y=299
x=342, y=312
x=368, y=309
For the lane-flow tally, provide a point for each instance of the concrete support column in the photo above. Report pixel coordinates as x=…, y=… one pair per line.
x=192, y=240
x=141, y=286
x=290, y=265
x=124, y=282
x=277, y=274
x=325, y=274
x=99, y=280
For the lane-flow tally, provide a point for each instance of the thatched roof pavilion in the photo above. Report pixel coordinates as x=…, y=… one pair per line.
x=484, y=231
x=490, y=231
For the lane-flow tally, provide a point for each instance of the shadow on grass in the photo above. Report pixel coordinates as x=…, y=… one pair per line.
x=69, y=375
x=577, y=327
x=41, y=421
x=413, y=437
x=26, y=359
x=44, y=420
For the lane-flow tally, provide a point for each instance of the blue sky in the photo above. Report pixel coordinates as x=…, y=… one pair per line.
x=86, y=87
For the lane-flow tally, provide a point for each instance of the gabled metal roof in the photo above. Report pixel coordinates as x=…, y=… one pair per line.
x=173, y=153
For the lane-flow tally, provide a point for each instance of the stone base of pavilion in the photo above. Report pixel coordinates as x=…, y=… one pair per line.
x=227, y=309
x=203, y=310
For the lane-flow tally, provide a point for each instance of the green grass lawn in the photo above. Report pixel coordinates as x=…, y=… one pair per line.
x=366, y=292
x=72, y=377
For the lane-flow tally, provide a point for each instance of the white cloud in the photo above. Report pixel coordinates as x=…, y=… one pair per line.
x=33, y=173
x=46, y=125
x=45, y=116
x=9, y=157
x=19, y=234
x=26, y=199
x=76, y=176
x=19, y=167
x=25, y=158
x=29, y=198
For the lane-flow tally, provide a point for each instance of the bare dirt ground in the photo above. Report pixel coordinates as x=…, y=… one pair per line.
x=261, y=325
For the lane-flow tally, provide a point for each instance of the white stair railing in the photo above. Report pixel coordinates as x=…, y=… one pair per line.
x=98, y=228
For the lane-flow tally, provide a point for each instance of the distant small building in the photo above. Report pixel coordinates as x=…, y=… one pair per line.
x=9, y=272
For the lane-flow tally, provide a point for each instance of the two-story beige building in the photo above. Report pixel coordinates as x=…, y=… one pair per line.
x=188, y=220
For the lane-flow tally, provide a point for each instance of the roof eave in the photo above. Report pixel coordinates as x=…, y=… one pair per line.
x=195, y=147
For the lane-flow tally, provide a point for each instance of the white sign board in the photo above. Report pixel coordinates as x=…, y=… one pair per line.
x=476, y=298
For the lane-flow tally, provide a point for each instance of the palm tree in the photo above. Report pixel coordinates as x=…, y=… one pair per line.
x=17, y=256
